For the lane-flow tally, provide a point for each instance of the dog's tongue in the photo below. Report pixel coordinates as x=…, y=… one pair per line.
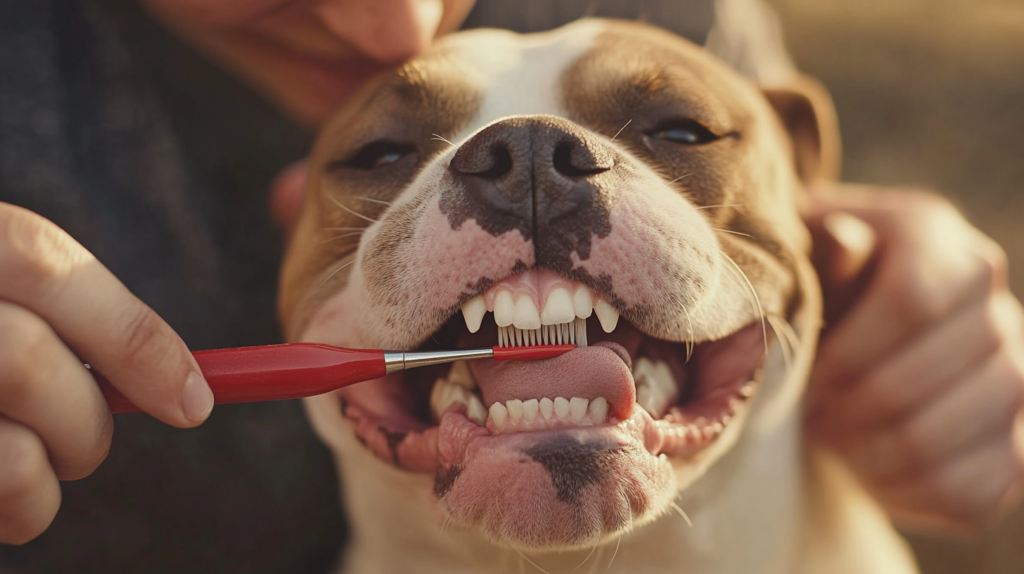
x=600, y=370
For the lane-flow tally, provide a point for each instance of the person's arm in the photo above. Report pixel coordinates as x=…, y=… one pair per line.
x=59, y=307
x=919, y=381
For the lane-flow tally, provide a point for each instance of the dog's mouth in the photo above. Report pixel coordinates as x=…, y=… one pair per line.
x=676, y=398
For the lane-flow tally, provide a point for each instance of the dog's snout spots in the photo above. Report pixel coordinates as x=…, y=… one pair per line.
x=573, y=465
x=539, y=176
x=445, y=479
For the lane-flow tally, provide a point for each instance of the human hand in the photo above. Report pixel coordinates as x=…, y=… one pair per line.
x=59, y=307
x=919, y=380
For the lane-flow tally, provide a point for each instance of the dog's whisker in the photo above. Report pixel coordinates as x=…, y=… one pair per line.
x=682, y=513
x=342, y=236
x=684, y=176
x=359, y=229
x=620, y=129
x=532, y=563
x=380, y=201
x=335, y=272
x=689, y=339
x=580, y=565
x=757, y=300
x=441, y=139
x=444, y=527
x=787, y=352
x=352, y=211
x=732, y=232
x=618, y=542
x=786, y=333
x=720, y=205
x=597, y=559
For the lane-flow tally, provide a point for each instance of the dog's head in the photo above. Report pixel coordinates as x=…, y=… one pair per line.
x=606, y=183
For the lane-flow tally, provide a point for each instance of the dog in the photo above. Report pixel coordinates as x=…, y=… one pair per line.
x=606, y=184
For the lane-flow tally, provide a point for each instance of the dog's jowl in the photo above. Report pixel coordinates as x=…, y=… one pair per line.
x=605, y=184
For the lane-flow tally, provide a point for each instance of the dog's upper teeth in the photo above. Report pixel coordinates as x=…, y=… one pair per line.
x=504, y=308
x=582, y=301
x=607, y=315
x=473, y=312
x=558, y=308
x=656, y=387
x=526, y=315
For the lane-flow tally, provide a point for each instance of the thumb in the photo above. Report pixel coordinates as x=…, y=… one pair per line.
x=843, y=251
x=286, y=195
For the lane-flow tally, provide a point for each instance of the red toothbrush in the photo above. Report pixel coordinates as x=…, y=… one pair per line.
x=297, y=370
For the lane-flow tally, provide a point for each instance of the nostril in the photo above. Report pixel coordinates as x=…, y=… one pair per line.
x=496, y=164
x=501, y=163
x=575, y=165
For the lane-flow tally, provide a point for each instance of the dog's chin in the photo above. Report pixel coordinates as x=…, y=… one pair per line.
x=546, y=479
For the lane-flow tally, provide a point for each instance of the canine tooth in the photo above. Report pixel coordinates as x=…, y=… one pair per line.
x=473, y=312
x=498, y=414
x=578, y=408
x=530, y=409
x=526, y=316
x=515, y=410
x=475, y=410
x=444, y=394
x=582, y=302
x=598, y=410
x=460, y=375
x=504, y=308
x=607, y=315
x=547, y=407
x=561, y=407
x=558, y=308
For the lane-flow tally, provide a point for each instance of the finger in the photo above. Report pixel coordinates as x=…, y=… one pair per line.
x=929, y=366
x=925, y=270
x=965, y=492
x=843, y=247
x=29, y=491
x=974, y=413
x=46, y=271
x=44, y=387
x=286, y=196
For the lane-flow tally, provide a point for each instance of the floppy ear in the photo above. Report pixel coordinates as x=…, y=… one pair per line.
x=808, y=114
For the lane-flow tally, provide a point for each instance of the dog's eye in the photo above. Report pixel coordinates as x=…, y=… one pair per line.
x=688, y=132
x=379, y=154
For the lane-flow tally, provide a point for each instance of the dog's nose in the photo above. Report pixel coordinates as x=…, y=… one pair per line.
x=531, y=173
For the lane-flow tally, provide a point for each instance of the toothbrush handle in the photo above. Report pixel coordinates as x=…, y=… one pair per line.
x=272, y=372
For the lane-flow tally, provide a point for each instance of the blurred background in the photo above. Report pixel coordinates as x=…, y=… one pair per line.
x=931, y=93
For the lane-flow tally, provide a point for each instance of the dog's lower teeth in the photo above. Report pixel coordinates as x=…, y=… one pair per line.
x=534, y=414
x=656, y=387
x=446, y=393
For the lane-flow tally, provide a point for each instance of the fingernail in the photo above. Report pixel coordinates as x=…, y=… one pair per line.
x=196, y=398
x=857, y=240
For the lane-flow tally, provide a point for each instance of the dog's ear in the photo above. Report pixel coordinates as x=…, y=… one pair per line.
x=808, y=114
